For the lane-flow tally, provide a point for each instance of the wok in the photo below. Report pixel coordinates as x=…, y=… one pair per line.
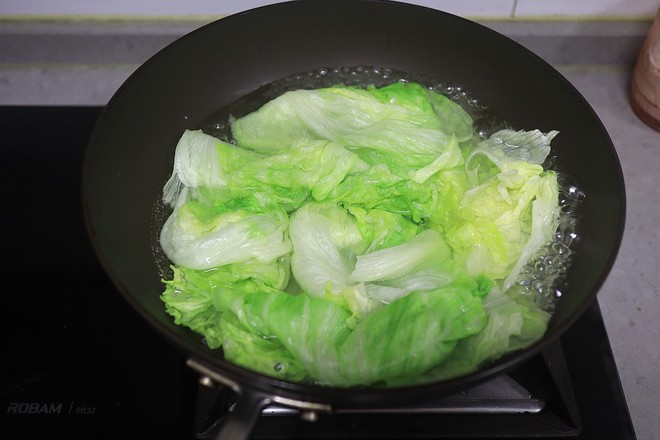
x=130, y=154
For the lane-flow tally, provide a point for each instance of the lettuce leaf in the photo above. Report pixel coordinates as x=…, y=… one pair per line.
x=404, y=126
x=326, y=242
x=425, y=326
x=511, y=209
x=510, y=326
x=206, y=241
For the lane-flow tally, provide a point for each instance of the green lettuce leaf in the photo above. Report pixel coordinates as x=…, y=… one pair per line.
x=511, y=210
x=511, y=326
x=206, y=241
x=203, y=162
x=380, y=125
x=423, y=329
x=197, y=298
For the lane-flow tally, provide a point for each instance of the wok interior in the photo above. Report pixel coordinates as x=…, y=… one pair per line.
x=131, y=150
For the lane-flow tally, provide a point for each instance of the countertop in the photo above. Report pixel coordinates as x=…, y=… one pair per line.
x=83, y=63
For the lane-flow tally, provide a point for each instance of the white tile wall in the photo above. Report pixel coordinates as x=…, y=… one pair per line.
x=502, y=9
x=147, y=8
x=471, y=8
x=586, y=8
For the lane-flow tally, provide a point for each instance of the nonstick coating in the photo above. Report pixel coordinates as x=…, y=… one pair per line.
x=130, y=153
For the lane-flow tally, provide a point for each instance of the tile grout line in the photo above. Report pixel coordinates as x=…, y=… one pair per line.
x=513, y=9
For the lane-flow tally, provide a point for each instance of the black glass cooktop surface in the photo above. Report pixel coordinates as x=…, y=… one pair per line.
x=78, y=362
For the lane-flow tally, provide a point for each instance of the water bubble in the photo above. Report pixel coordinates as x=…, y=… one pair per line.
x=538, y=286
x=539, y=266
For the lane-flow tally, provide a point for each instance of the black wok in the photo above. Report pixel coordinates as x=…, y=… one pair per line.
x=130, y=155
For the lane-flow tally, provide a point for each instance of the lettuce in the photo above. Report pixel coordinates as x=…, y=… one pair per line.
x=326, y=242
x=510, y=210
x=404, y=125
x=424, y=325
x=206, y=241
x=427, y=249
x=358, y=236
x=198, y=298
x=511, y=326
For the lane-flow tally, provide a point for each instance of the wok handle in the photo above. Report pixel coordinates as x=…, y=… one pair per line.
x=239, y=422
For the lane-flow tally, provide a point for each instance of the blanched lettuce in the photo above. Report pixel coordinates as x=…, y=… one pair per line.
x=424, y=325
x=358, y=236
x=202, y=162
x=510, y=326
x=404, y=126
x=218, y=172
x=511, y=209
x=427, y=249
x=326, y=241
x=198, y=298
x=197, y=242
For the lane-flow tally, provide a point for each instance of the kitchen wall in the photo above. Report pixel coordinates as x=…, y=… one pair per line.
x=204, y=9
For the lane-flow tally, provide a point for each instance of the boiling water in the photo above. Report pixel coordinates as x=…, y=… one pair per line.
x=542, y=280
x=486, y=121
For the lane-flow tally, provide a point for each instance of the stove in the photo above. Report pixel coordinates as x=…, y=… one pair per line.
x=80, y=363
